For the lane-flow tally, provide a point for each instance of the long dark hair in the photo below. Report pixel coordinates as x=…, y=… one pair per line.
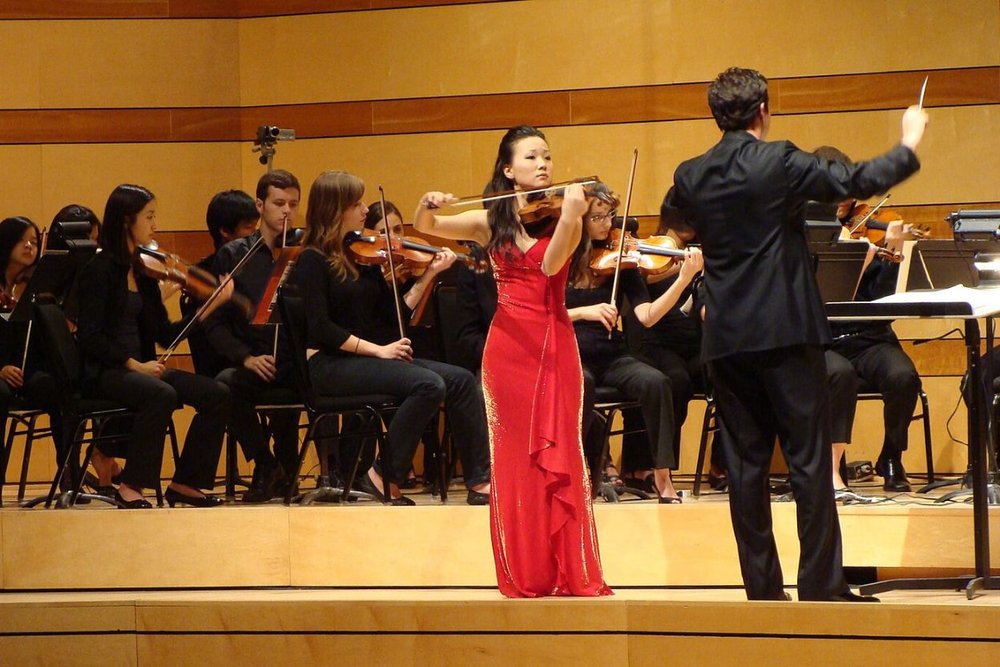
x=332, y=193
x=375, y=213
x=502, y=214
x=124, y=204
x=11, y=231
x=579, y=264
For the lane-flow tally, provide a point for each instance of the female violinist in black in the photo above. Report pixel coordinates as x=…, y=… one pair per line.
x=607, y=360
x=355, y=346
x=121, y=318
x=22, y=384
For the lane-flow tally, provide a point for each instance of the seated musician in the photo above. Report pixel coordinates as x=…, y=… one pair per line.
x=251, y=367
x=476, y=297
x=22, y=384
x=355, y=346
x=606, y=360
x=475, y=462
x=673, y=346
x=873, y=350
x=121, y=319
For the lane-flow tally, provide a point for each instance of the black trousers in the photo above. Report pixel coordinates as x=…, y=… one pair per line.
x=783, y=393
x=40, y=392
x=885, y=367
x=420, y=387
x=154, y=401
x=248, y=390
x=686, y=372
x=641, y=382
x=843, y=383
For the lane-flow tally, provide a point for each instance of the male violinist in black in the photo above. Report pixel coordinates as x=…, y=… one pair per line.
x=254, y=369
x=765, y=327
x=874, y=352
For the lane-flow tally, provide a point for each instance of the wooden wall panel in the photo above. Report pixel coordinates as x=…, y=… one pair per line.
x=484, y=48
x=409, y=165
x=39, y=180
x=100, y=64
x=807, y=95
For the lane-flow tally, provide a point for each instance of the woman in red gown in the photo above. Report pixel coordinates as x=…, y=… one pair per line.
x=541, y=521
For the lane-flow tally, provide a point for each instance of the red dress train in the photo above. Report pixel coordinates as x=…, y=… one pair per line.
x=541, y=519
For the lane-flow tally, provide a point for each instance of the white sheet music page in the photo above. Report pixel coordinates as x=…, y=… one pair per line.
x=983, y=300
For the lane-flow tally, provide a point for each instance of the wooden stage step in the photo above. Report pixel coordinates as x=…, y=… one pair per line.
x=433, y=545
x=477, y=627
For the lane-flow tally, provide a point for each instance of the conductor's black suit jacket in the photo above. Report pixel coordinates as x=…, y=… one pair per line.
x=745, y=199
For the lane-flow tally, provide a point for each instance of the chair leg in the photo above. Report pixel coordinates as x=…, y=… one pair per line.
x=444, y=460
x=71, y=447
x=927, y=436
x=293, y=483
x=230, y=466
x=28, y=441
x=706, y=428
x=7, y=440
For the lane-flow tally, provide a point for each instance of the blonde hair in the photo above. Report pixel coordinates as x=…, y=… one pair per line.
x=332, y=193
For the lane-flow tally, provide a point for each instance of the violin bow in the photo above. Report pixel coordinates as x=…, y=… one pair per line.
x=211, y=299
x=468, y=201
x=392, y=264
x=31, y=320
x=621, y=242
x=874, y=209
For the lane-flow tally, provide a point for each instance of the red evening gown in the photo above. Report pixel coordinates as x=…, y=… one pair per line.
x=541, y=519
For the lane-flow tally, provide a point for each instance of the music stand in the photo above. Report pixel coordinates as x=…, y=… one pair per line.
x=838, y=268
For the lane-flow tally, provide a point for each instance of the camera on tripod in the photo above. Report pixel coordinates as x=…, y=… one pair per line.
x=267, y=136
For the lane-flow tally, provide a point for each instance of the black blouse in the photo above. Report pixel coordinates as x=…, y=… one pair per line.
x=595, y=346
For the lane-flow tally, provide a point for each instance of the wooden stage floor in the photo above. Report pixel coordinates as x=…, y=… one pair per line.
x=364, y=584
x=477, y=627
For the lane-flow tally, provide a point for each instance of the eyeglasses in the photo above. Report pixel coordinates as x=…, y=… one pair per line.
x=597, y=217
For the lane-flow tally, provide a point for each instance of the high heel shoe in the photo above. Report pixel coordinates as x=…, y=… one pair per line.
x=173, y=497
x=364, y=483
x=138, y=504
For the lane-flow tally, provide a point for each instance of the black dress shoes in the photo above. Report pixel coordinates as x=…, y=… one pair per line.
x=717, y=482
x=176, y=497
x=893, y=474
x=477, y=498
x=852, y=597
x=265, y=483
x=364, y=483
x=139, y=504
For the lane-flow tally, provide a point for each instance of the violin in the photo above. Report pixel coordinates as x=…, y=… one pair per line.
x=871, y=223
x=414, y=252
x=541, y=213
x=653, y=256
x=285, y=254
x=194, y=281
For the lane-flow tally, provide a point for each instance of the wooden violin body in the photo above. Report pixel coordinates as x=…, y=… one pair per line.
x=653, y=256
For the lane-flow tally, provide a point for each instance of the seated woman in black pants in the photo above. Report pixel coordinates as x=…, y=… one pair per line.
x=121, y=319
x=22, y=384
x=606, y=359
x=354, y=345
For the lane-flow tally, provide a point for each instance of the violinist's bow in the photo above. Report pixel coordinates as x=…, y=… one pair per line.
x=621, y=245
x=211, y=299
x=392, y=264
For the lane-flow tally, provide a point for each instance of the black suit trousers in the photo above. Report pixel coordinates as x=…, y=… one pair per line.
x=761, y=395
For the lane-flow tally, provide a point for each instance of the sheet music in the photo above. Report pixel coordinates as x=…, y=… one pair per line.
x=982, y=299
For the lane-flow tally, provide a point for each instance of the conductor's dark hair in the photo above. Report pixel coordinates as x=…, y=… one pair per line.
x=735, y=97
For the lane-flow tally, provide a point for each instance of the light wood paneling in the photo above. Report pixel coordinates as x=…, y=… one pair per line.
x=101, y=64
x=147, y=548
x=645, y=544
x=475, y=49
